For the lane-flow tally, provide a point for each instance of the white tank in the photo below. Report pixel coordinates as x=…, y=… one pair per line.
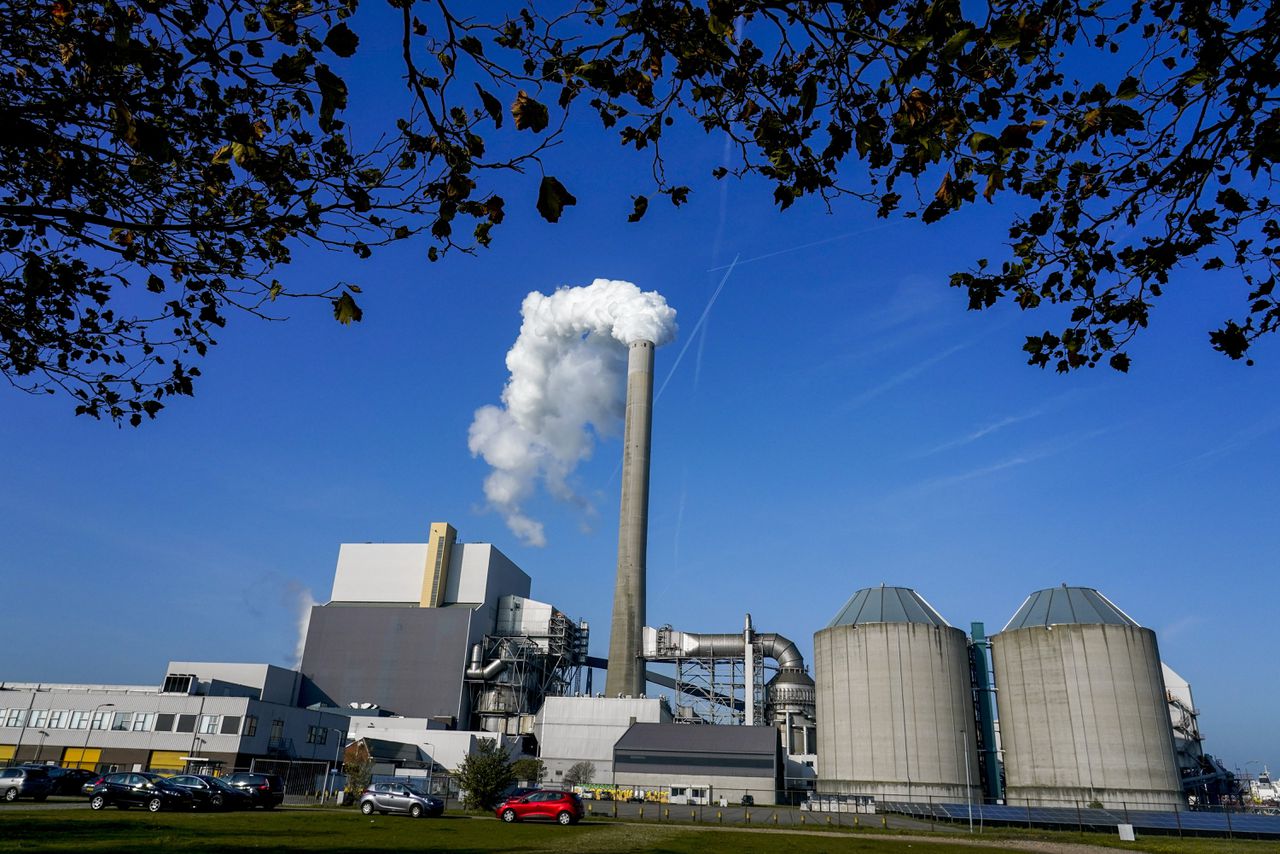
x=894, y=702
x=1082, y=707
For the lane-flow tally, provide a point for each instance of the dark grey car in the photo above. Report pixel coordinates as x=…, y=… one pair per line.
x=34, y=783
x=398, y=797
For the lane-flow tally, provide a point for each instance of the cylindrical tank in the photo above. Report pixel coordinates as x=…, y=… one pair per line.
x=895, y=707
x=1082, y=707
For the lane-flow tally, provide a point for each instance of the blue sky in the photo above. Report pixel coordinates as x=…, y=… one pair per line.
x=840, y=420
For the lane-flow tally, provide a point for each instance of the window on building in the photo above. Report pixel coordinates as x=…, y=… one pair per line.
x=57, y=718
x=15, y=717
x=208, y=724
x=277, y=730
x=142, y=721
x=39, y=718
x=317, y=735
x=186, y=723
x=123, y=721
x=3, y=713
x=250, y=725
x=164, y=722
x=101, y=719
x=230, y=724
x=79, y=719
x=177, y=683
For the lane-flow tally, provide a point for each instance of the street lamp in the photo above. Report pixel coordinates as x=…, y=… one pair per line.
x=89, y=729
x=431, y=769
x=339, y=737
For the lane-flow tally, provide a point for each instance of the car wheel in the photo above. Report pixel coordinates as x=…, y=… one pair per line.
x=97, y=802
x=416, y=811
x=216, y=802
x=154, y=805
x=367, y=808
x=508, y=816
x=565, y=818
x=11, y=795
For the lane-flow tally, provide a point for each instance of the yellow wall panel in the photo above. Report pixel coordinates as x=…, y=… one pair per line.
x=81, y=757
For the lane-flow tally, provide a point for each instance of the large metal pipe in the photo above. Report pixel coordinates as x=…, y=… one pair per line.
x=773, y=645
x=626, y=667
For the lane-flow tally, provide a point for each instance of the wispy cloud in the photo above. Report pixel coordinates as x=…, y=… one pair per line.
x=1242, y=438
x=902, y=377
x=1030, y=455
x=802, y=246
x=981, y=432
x=1180, y=627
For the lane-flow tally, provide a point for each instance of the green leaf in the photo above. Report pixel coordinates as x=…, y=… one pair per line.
x=1128, y=89
x=492, y=106
x=345, y=310
x=808, y=96
x=341, y=40
x=333, y=97
x=472, y=45
x=529, y=113
x=641, y=205
x=292, y=69
x=553, y=198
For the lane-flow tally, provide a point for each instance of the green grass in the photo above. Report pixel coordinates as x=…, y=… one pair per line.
x=318, y=831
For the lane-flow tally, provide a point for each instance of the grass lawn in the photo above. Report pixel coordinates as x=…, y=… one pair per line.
x=341, y=831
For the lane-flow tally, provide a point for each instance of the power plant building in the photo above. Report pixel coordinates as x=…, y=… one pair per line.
x=894, y=701
x=1084, y=716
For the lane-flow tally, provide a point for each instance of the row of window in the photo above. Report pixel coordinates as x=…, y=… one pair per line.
x=135, y=721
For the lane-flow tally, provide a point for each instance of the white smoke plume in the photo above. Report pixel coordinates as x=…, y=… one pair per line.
x=567, y=387
x=302, y=601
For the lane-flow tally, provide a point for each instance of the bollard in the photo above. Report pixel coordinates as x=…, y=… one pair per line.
x=855, y=821
x=775, y=818
x=884, y=821
x=642, y=812
x=693, y=815
x=667, y=813
x=748, y=816
x=828, y=820
x=802, y=819
x=719, y=816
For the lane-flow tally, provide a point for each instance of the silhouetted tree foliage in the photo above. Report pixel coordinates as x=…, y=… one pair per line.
x=160, y=159
x=580, y=773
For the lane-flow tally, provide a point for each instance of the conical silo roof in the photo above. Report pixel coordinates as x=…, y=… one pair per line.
x=886, y=605
x=1057, y=606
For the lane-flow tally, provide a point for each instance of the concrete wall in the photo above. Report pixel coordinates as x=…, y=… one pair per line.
x=447, y=748
x=409, y=661
x=268, y=682
x=379, y=572
x=1083, y=716
x=577, y=729
x=731, y=788
x=895, y=715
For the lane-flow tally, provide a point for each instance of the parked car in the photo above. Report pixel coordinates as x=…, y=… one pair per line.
x=34, y=783
x=399, y=797
x=267, y=789
x=748, y=800
x=139, y=789
x=212, y=793
x=550, y=804
x=68, y=781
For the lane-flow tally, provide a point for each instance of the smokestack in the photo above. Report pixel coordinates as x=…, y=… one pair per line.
x=626, y=669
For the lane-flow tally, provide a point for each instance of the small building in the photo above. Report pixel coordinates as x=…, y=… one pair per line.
x=729, y=761
x=570, y=730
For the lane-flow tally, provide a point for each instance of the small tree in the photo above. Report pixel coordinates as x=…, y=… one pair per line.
x=484, y=774
x=580, y=773
x=529, y=770
x=359, y=771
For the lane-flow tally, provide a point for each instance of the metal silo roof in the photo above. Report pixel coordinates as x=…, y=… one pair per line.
x=887, y=605
x=1065, y=605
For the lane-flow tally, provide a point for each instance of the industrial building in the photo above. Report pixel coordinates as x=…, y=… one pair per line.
x=202, y=716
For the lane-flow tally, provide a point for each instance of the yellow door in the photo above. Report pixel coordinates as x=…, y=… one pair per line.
x=7, y=751
x=81, y=757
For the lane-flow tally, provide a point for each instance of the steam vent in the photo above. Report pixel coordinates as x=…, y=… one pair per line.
x=894, y=701
x=1083, y=714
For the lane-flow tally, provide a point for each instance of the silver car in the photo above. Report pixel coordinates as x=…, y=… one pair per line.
x=25, y=783
x=399, y=797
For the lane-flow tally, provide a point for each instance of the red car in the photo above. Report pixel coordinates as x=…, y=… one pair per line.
x=564, y=807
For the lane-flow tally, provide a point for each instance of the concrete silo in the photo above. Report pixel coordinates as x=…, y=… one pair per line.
x=894, y=701
x=1081, y=699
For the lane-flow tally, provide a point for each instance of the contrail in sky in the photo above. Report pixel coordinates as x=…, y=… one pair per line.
x=701, y=320
x=809, y=245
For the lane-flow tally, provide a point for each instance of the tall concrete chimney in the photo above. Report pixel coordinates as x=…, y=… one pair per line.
x=626, y=669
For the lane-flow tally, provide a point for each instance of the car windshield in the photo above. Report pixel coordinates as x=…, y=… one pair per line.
x=417, y=791
x=220, y=784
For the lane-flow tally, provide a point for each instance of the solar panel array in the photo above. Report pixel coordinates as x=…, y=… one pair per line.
x=1221, y=823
